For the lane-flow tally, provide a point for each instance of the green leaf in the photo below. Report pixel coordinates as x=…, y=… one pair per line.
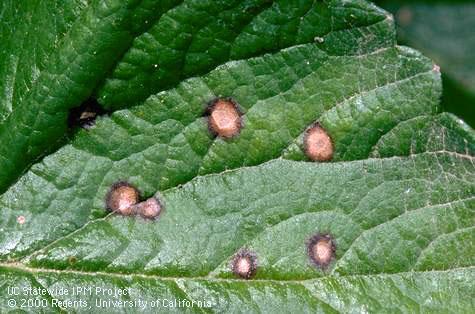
x=397, y=198
x=64, y=75
x=432, y=291
x=443, y=132
x=443, y=31
x=196, y=36
x=25, y=49
x=166, y=141
x=381, y=204
x=394, y=222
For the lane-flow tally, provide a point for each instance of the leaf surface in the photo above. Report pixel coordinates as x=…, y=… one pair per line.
x=398, y=196
x=433, y=291
x=403, y=227
x=166, y=142
x=76, y=64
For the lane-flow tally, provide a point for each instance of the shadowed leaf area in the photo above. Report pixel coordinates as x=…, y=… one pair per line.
x=395, y=194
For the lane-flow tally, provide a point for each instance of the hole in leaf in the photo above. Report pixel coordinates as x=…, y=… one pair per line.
x=85, y=115
x=224, y=117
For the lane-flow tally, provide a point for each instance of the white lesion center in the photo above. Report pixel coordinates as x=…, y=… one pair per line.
x=243, y=266
x=322, y=251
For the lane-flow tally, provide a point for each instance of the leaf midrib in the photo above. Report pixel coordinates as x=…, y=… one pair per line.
x=37, y=270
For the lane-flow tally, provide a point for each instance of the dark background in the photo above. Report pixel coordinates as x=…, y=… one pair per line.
x=445, y=32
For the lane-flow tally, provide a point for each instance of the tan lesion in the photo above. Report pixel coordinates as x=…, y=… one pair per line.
x=321, y=250
x=224, y=118
x=318, y=144
x=121, y=198
x=149, y=209
x=244, y=264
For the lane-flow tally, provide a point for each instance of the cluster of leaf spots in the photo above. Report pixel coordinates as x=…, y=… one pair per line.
x=166, y=142
x=281, y=93
x=124, y=199
x=224, y=120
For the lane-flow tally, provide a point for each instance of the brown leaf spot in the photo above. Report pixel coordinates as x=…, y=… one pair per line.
x=224, y=118
x=21, y=219
x=318, y=144
x=244, y=264
x=149, y=209
x=72, y=260
x=321, y=250
x=121, y=197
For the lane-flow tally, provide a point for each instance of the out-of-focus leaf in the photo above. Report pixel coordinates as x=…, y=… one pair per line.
x=443, y=30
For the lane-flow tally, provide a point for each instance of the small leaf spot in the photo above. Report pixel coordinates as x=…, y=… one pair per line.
x=319, y=40
x=244, y=264
x=149, y=209
x=121, y=197
x=224, y=117
x=21, y=219
x=321, y=250
x=72, y=260
x=318, y=144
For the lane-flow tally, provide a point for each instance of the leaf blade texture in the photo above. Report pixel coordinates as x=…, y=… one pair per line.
x=397, y=197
